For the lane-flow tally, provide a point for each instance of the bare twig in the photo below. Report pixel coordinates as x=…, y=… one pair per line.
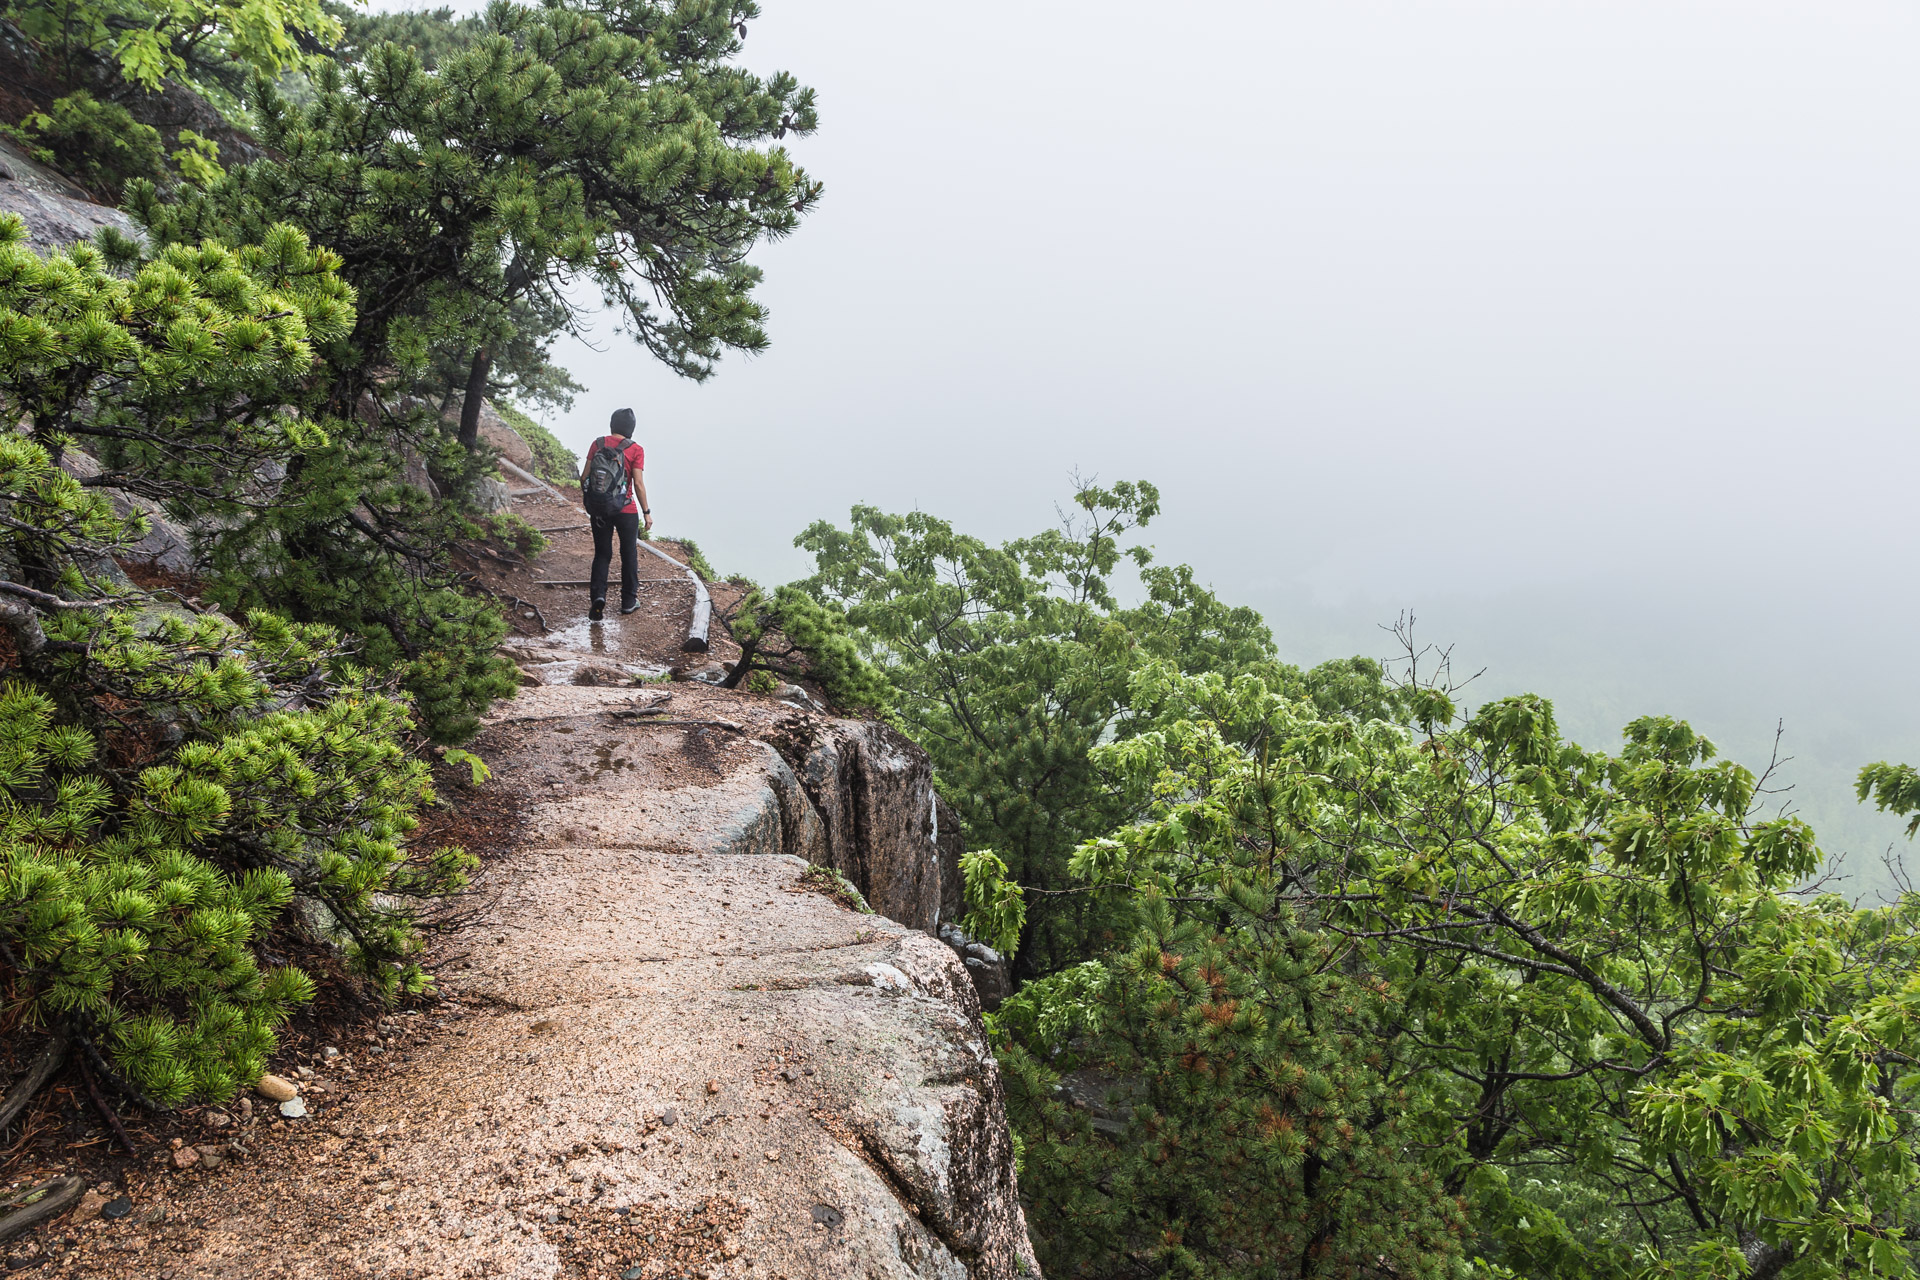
x=41, y=1071
x=106, y=1112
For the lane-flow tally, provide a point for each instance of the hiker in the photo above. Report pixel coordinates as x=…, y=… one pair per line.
x=613, y=489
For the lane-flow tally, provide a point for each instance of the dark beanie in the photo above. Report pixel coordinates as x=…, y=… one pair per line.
x=623, y=422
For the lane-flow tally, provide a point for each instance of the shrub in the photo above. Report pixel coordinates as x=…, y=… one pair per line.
x=99, y=144
x=172, y=785
x=795, y=637
x=552, y=461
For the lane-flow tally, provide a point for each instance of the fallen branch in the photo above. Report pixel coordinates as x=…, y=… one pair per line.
x=635, y=717
x=106, y=1112
x=696, y=641
x=47, y=600
x=528, y=475
x=41, y=1204
x=538, y=617
x=38, y=1073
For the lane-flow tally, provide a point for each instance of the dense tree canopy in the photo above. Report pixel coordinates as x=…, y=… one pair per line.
x=1010, y=663
x=1577, y=992
x=608, y=144
x=210, y=45
x=171, y=782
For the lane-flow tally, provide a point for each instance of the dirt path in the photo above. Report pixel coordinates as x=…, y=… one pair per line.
x=664, y=1052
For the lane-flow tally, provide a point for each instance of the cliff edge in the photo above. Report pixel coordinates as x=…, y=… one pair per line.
x=671, y=1045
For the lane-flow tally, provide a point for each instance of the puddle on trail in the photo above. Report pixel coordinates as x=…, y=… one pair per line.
x=605, y=761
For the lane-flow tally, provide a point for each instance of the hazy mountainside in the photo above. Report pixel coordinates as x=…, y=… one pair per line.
x=1724, y=661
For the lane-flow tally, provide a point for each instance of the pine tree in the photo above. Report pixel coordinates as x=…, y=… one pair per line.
x=1009, y=664
x=792, y=636
x=608, y=144
x=1585, y=994
x=170, y=783
x=611, y=146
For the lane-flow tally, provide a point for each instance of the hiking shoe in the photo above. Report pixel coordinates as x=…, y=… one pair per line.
x=629, y=607
x=598, y=611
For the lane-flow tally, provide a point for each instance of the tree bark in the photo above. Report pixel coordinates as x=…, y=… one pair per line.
x=476, y=392
x=19, y=617
x=53, y=1199
x=38, y=1072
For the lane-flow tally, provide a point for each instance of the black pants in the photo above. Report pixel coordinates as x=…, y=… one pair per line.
x=628, y=523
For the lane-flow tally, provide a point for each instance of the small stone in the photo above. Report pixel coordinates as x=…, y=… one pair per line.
x=293, y=1109
x=386, y=1186
x=218, y=1120
x=185, y=1158
x=212, y=1157
x=305, y=1073
x=275, y=1089
x=774, y=1157
x=329, y=1053
x=541, y=1027
x=576, y=1177
x=633, y=1273
x=670, y=1116
x=713, y=1086
x=246, y=1108
x=806, y=1071
x=88, y=1209
x=118, y=1207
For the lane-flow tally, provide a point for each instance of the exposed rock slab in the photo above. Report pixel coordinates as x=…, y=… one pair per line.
x=657, y=953
x=57, y=213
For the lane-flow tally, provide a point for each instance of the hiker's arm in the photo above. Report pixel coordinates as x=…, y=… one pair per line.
x=640, y=488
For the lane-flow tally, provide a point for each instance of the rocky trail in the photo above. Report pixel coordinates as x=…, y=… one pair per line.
x=664, y=1044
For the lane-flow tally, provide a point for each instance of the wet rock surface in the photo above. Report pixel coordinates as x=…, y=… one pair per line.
x=56, y=212
x=676, y=1057
x=663, y=1048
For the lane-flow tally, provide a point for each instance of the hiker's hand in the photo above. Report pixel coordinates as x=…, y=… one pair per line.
x=648, y=517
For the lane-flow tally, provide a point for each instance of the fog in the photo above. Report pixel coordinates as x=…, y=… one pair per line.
x=1586, y=331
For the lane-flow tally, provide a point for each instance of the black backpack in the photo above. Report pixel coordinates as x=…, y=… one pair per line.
x=606, y=491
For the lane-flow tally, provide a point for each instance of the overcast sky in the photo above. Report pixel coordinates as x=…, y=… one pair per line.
x=1586, y=330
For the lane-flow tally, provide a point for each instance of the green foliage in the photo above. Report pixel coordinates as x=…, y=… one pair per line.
x=552, y=461
x=696, y=559
x=198, y=159
x=1576, y=991
x=603, y=144
x=431, y=34
x=190, y=380
x=793, y=636
x=99, y=144
x=170, y=783
x=1214, y=1112
x=206, y=44
x=1008, y=664
x=997, y=906
x=506, y=527
x=348, y=545
x=185, y=378
x=1893, y=788
x=477, y=769
x=171, y=786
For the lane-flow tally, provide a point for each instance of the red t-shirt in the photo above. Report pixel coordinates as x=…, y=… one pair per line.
x=636, y=463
